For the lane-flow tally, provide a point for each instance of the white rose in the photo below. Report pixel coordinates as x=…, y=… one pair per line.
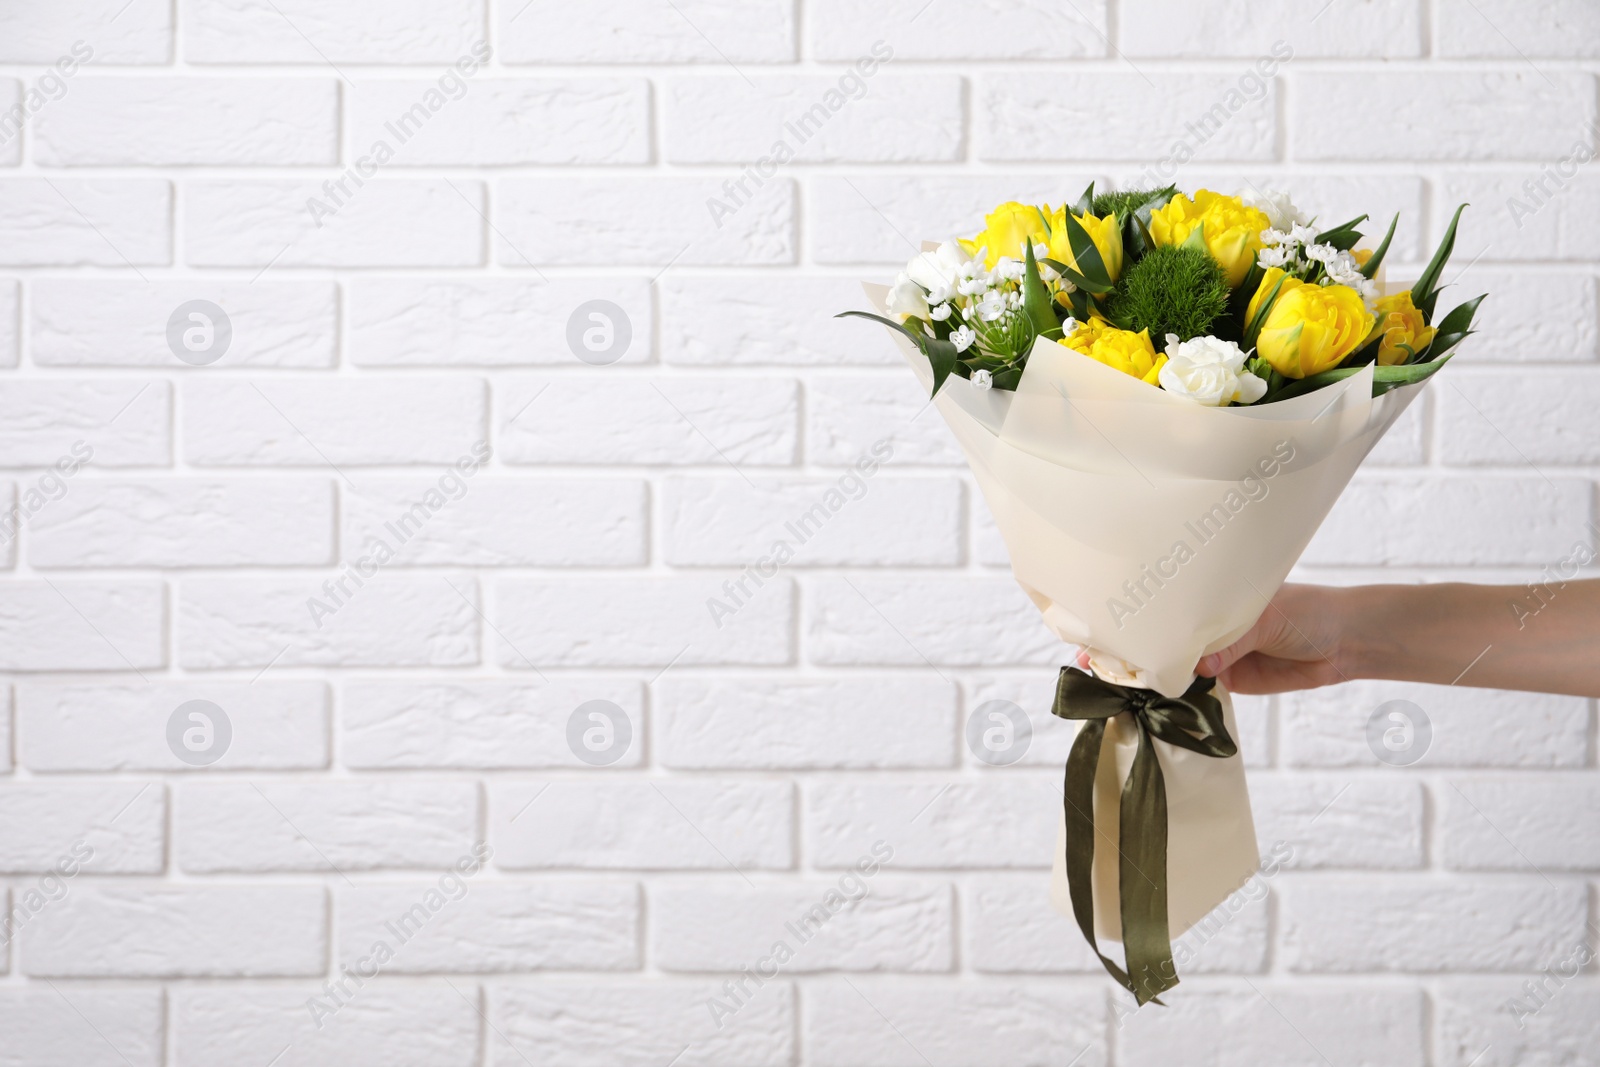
x=1275, y=205
x=906, y=300
x=1209, y=371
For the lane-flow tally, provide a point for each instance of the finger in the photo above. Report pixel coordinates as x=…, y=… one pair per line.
x=1083, y=659
x=1213, y=665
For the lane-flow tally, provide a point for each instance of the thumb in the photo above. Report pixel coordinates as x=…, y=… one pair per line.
x=1214, y=664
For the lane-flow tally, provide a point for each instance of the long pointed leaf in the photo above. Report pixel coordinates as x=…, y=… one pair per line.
x=1085, y=202
x=1036, y=298
x=942, y=355
x=1426, y=290
x=1370, y=268
x=1085, y=253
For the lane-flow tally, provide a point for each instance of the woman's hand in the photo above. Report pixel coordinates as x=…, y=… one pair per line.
x=1295, y=644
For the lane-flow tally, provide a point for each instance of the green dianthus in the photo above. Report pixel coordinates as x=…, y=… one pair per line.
x=1172, y=289
x=1128, y=201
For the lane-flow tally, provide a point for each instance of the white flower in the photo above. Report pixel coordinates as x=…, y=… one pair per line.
x=1302, y=235
x=992, y=306
x=1280, y=211
x=906, y=300
x=939, y=312
x=973, y=286
x=963, y=337
x=938, y=271
x=1321, y=253
x=1276, y=257
x=1009, y=269
x=982, y=379
x=1041, y=251
x=1209, y=371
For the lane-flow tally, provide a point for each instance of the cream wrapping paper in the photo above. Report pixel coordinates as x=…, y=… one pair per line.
x=1151, y=531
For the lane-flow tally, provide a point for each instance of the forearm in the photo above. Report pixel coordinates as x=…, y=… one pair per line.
x=1542, y=639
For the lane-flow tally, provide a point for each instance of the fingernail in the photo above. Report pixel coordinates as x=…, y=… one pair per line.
x=1210, y=664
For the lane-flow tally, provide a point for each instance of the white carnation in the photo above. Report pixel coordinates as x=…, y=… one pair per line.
x=1275, y=205
x=1209, y=371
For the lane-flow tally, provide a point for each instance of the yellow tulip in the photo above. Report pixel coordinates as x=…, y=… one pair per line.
x=1232, y=230
x=1123, y=350
x=1310, y=328
x=1005, y=230
x=1402, y=328
x=1105, y=231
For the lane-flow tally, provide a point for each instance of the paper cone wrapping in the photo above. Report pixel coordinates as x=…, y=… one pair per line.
x=1153, y=530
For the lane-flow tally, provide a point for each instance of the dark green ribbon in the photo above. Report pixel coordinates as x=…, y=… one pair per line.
x=1192, y=721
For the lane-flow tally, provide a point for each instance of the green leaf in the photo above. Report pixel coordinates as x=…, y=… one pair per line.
x=1007, y=379
x=1425, y=292
x=1197, y=238
x=1344, y=236
x=1085, y=254
x=1077, y=279
x=1455, y=328
x=1383, y=378
x=941, y=354
x=1084, y=205
x=1376, y=260
x=1253, y=328
x=1036, y=298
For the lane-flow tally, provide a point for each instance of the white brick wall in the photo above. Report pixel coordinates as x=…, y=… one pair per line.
x=421, y=763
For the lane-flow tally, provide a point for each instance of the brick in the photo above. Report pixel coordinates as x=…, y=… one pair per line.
x=392, y=621
x=15, y=103
x=478, y=723
x=1515, y=114
x=84, y=626
x=899, y=1023
x=7, y=729
x=958, y=621
x=1005, y=821
x=1508, y=824
x=844, y=118
x=1014, y=930
x=728, y=321
x=1469, y=727
x=1483, y=419
x=847, y=417
x=1515, y=220
x=112, y=727
x=1020, y=116
x=637, y=1023
x=79, y=322
x=347, y=31
x=1564, y=29
x=142, y=931
x=655, y=222
x=489, y=321
x=639, y=32
x=69, y=222
x=505, y=122
x=262, y=224
x=111, y=422
x=867, y=219
x=486, y=521
x=50, y=33
x=725, y=826
x=757, y=722
x=1501, y=1022
x=101, y=828
x=185, y=523
x=1478, y=520
x=1281, y=1023
x=183, y=121
x=1417, y=924
x=861, y=518
x=485, y=927
x=10, y=321
x=1032, y=693
x=304, y=422
x=1015, y=29
x=595, y=420
x=80, y=1027
x=325, y=827
x=854, y=923
x=1368, y=29
x=1340, y=822
x=422, y=1025
x=641, y=621
x=1532, y=317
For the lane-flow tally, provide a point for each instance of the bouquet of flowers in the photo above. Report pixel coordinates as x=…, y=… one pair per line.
x=1161, y=396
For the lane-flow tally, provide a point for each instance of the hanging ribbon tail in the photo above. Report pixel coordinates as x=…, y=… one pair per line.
x=1193, y=721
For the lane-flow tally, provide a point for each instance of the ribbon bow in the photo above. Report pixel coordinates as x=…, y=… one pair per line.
x=1192, y=721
